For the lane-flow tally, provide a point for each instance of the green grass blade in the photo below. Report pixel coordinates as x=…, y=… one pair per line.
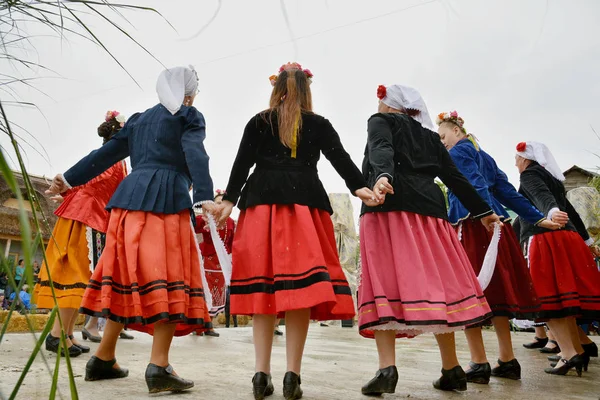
x=34, y=354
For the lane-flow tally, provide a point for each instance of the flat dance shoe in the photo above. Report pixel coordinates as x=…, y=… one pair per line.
x=262, y=385
x=291, y=386
x=385, y=381
x=97, y=370
x=453, y=379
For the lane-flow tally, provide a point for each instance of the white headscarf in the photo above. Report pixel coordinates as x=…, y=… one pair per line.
x=539, y=153
x=404, y=97
x=174, y=84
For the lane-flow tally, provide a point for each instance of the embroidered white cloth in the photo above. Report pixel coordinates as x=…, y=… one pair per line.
x=224, y=258
x=489, y=261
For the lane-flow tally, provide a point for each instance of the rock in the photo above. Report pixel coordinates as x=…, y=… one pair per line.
x=586, y=201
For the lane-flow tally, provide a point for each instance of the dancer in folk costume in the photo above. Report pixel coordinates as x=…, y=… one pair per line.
x=212, y=266
x=81, y=215
x=415, y=275
x=149, y=276
x=563, y=270
x=97, y=239
x=285, y=261
x=510, y=292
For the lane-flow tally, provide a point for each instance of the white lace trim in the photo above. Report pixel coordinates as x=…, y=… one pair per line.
x=89, y=238
x=62, y=178
x=207, y=293
x=413, y=330
x=200, y=203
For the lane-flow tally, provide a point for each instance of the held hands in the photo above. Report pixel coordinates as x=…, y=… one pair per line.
x=222, y=212
x=560, y=217
x=595, y=250
x=367, y=197
x=549, y=224
x=375, y=197
x=57, y=186
x=382, y=187
x=490, y=221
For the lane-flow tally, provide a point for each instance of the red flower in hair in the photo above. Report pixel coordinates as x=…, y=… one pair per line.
x=381, y=92
x=521, y=147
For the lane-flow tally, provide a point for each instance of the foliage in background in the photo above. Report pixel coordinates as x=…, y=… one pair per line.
x=62, y=19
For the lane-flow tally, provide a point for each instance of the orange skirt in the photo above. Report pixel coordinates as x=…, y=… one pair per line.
x=149, y=272
x=69, y=265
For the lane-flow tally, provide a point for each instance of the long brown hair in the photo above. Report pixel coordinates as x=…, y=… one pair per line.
x=290, y=97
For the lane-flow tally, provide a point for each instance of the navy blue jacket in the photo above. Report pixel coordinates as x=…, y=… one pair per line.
x=167, y=156
x=490, y=182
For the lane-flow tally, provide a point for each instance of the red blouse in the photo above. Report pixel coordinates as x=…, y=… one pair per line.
x=87, y=203
x=207, y=247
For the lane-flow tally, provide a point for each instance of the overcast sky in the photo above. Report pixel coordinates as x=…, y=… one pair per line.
x=515, y=70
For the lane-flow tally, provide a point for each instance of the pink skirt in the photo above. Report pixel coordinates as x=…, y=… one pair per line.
x=415, y=277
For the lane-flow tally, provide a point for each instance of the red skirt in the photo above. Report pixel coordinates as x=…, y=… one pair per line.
x=565, y=275
x=415, y=277
x=149, y=272
x=285, y=258
x=511, y=292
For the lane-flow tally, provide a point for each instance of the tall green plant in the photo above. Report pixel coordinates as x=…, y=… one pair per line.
x=63, y=18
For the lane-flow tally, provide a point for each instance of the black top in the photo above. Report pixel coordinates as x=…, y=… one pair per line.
x=280, y=179
x=412, y=156
x=546, y=192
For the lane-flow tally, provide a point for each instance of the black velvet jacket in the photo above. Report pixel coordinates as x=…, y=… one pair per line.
x=412, y=157
x=280, y=179
x=546, y=192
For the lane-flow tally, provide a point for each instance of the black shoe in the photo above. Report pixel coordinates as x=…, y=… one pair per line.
x=590, y=349
x=537, y=344
x=384, y=382
x=52, y=344
x=551, y=350
x=262, y=385
x=125, y=335
x=211, y=333
x=291, y=386
x=278, y=332
x=162, y=379
x=97, y=369
x=86, y=335
x=84, y=349
x=453, y=379
x=510, y=369
x=479, y=373
x=554, y=358
x=576, y=362
x=586, y=362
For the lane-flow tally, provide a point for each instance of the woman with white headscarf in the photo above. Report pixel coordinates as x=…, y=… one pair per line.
x=149, y=275
x=416, y=277
x=562, y=265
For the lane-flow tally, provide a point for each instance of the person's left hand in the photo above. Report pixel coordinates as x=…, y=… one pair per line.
x=595, y=250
